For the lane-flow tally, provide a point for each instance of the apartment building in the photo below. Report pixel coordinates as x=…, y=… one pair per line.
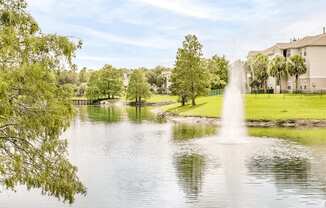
x=313, y=49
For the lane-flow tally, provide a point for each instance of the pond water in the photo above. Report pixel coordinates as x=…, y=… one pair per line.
x=130, y=158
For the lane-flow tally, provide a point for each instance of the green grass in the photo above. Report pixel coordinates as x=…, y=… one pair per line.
x=162, y=98
x=305, y=136
x=259, y=107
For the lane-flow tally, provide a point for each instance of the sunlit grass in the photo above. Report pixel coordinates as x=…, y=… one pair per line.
x=259, y=107
x=162, y=98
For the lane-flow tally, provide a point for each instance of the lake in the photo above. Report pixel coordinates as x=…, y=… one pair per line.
x=131, y=158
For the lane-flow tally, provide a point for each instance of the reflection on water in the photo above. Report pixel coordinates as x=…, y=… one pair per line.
x=184, y=131
x=292, y=168
x=190, y=171
x=110, y=114
x=130, y=158
x=284, y=163
x=140, y=114
x=113, y=114
x=306, y=136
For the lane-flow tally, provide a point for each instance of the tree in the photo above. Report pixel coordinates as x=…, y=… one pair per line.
x=189, y=77
x=278, y=69
x=67, y=77
x=93, y=90
x=156, y=79
x=259, y=67
x=105, y=83
x=296, y=67
x=83, y=75
x=34, y=108
x=218, y=68
x=138, y=86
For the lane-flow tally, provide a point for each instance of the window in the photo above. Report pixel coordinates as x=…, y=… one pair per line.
x=289, y=87
x=288, y=53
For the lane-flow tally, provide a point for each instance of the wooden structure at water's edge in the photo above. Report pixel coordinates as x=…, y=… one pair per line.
x=81, y=101
x=85, y=101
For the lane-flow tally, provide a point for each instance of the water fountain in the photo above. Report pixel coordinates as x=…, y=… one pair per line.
x=233, y=129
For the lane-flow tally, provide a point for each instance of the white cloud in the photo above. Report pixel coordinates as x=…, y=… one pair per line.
x=187, y=8
x=153, y=29
x=156, y=42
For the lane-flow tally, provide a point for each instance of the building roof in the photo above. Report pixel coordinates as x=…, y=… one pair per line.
x=318, y=40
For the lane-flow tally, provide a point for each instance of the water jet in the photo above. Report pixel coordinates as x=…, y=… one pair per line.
x=233, y=128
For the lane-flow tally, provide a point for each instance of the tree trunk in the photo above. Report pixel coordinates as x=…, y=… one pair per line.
x=139, y=100
x=280, y=84
x=193, y=101
x=183, y=100
x=136, y=102
x=296, y=83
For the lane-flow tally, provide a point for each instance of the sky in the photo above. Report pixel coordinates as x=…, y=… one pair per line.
x=147, y=33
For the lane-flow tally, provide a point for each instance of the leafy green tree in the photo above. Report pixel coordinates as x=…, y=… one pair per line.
x=105, y=83
x=83, y=75
x=259, y=67
x=296, y=67
x=138, y=87
x=218, y=67
x=68, y=77
x=34, y=108
x=93, y=90
x=156, y=79
x=179, y=85
x=190, y=78
x=278, y=69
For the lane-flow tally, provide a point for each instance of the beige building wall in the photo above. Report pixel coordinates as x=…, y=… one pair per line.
x=313, y=49
x=316, y=63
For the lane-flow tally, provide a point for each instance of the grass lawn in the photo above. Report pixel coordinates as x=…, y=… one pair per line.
x=257, y=107
x=162, y=98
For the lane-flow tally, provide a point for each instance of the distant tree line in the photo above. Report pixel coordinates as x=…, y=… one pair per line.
x=192, y=76
x=75, y=81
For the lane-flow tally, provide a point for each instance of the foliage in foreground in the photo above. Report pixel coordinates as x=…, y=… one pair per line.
x=34, y=108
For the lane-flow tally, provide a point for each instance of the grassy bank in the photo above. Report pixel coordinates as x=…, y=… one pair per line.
x=257, y=107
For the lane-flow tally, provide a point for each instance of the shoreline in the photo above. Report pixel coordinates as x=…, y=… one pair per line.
x=287, y=123
x=290, y=123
